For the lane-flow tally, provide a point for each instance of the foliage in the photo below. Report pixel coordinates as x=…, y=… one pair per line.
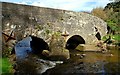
x=113, y=12
x=114, y=6
x=99, y=12
x=6, y=66
x=110, y=14
x=113, y=25
x=57, y=34
x=115, y=37
x=116, y=0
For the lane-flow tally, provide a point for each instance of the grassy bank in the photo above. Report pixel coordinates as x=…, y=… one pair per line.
x=6, y=66
x=115, y=37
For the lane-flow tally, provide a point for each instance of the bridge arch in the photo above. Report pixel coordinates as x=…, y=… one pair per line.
x=38, y=45
x=74, y=41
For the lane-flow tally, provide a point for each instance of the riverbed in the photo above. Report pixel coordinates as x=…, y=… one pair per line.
x=80, y=62
x=89, y=63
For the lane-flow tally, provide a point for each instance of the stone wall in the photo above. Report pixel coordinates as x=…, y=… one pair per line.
x=43, y=22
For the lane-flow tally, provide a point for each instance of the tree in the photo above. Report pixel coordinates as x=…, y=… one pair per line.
x=116, y=0
x=113, y=11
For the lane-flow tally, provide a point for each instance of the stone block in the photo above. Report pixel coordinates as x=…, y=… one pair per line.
x=63, y=55
x=84, y=47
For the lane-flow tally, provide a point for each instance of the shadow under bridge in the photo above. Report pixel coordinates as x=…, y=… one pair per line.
x=74, y=41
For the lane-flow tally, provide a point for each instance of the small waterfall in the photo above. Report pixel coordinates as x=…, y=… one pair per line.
x=46, y=64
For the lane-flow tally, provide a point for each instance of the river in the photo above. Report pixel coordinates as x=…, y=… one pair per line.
x=89, y=63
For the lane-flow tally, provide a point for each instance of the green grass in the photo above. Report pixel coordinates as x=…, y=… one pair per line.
x=6, y=66
x=114, y=37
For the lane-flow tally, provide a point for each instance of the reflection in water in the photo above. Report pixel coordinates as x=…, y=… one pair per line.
x=92, y=63
x=80, y=62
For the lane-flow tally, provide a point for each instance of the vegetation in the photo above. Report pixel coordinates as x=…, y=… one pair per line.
x=6, y=66
x=110, y=14
x=99, y=12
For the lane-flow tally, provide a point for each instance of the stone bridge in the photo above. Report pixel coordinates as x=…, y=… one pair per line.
x=62, y=30
x=44, y=22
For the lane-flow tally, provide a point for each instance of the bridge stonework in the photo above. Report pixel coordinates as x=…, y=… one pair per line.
x=43, y=22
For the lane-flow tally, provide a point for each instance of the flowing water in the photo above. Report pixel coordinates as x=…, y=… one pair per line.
x=79, y=63
x=90, y=63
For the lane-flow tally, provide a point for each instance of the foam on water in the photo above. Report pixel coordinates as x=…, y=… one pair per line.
x=45, y=64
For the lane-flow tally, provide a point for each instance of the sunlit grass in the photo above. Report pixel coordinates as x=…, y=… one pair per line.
x=114, y=37
x=6, y=66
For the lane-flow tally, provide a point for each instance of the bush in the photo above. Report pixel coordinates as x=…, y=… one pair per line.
x=115, y=37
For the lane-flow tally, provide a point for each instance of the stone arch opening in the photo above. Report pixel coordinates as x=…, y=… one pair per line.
x=38, y=45
x=74, y=41
x=98, y=36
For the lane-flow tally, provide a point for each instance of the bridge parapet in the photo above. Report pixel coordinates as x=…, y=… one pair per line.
x=44, y=22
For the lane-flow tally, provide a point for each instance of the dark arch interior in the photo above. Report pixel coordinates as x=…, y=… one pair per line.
x=96, y=29
x=74, y=41
x=108, y=29
x=38, y=45
x=98, y=36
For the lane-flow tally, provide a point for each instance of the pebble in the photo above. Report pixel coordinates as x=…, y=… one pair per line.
x=82, y=56
x=111, y=54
